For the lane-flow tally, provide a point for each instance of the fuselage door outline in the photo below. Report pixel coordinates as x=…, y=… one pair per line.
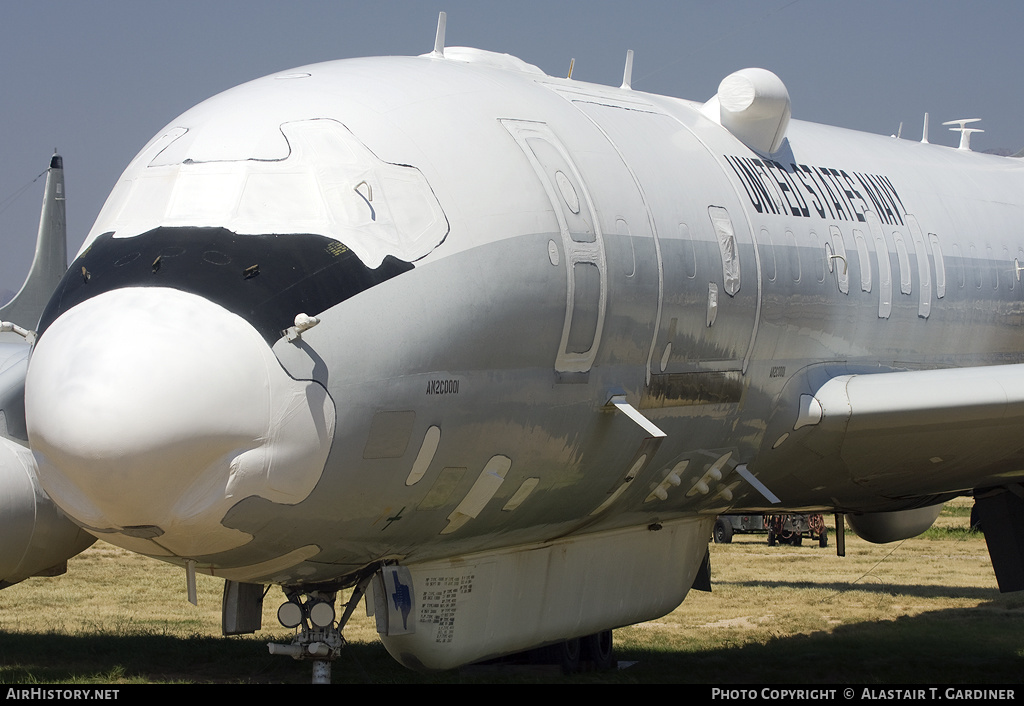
x=582, y=241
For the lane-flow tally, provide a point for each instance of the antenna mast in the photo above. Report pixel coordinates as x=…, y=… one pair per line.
x=438, y=52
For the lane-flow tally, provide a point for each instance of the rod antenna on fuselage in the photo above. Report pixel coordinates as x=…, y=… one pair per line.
x=571, y=62
x=627, y=73
x=924, y=130
x=442, y=19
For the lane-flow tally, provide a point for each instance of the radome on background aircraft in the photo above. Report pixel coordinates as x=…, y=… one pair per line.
x=496, y=348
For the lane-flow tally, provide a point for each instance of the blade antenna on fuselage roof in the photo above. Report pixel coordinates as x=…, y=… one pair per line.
x=442, y=20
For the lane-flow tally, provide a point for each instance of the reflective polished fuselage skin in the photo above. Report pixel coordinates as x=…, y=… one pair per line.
x=518, y=249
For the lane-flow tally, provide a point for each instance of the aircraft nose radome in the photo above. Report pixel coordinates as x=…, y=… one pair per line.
x=152, y=411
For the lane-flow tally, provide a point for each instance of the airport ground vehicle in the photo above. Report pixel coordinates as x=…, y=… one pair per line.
x=781, y=528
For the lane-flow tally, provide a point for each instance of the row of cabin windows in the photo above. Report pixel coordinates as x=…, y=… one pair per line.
x=838, y=251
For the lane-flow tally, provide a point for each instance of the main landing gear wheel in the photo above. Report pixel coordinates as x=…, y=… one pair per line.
x=819, y=531
x=565, y=654
x=599, y=650
x=595, y=651
x=722, y=532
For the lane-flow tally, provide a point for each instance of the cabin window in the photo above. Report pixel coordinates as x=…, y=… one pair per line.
x=689, y=257
x=622, y=228
x=864, y=260
x=767, y=255
x=924, y=306
x=728, y=247
x=884, y=266
x=794, y=258
x=820, y=254
x=838, y=262
x=975, y=265
x=958, y=266
x=904, y=259
x=940, y=266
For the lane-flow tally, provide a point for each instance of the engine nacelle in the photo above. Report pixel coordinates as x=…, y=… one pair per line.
x=38, y=538
x=882, y=527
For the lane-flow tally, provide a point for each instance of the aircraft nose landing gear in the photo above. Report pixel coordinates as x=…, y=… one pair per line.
x=319, y=638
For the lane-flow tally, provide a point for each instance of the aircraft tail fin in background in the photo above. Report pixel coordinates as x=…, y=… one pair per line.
x=51, y=258
x=38, y=536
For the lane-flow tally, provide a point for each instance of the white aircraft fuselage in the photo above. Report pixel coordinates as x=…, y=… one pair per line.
x=495, y=258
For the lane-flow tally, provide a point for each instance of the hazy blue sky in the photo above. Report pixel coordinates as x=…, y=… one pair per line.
x=97, y=79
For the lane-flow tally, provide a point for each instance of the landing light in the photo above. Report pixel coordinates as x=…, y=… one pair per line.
x=290, y=615
x=321, y=613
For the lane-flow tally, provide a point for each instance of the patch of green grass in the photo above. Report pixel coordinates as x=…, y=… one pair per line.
x=958, y=508
x=950, y=533
x=926, y=609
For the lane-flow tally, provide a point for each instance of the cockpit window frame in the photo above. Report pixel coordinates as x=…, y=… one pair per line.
x=265, y=279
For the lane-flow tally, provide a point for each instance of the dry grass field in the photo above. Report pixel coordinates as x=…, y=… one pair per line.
x=923, y=610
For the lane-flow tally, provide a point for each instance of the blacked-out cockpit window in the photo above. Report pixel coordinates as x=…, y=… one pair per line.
x=265, y=279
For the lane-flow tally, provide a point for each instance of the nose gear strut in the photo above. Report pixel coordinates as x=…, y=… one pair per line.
x=319, y=637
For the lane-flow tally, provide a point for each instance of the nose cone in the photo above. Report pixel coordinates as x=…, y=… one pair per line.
x=152, y=411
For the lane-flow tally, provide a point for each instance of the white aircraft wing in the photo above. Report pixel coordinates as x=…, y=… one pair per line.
x=933, y=423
